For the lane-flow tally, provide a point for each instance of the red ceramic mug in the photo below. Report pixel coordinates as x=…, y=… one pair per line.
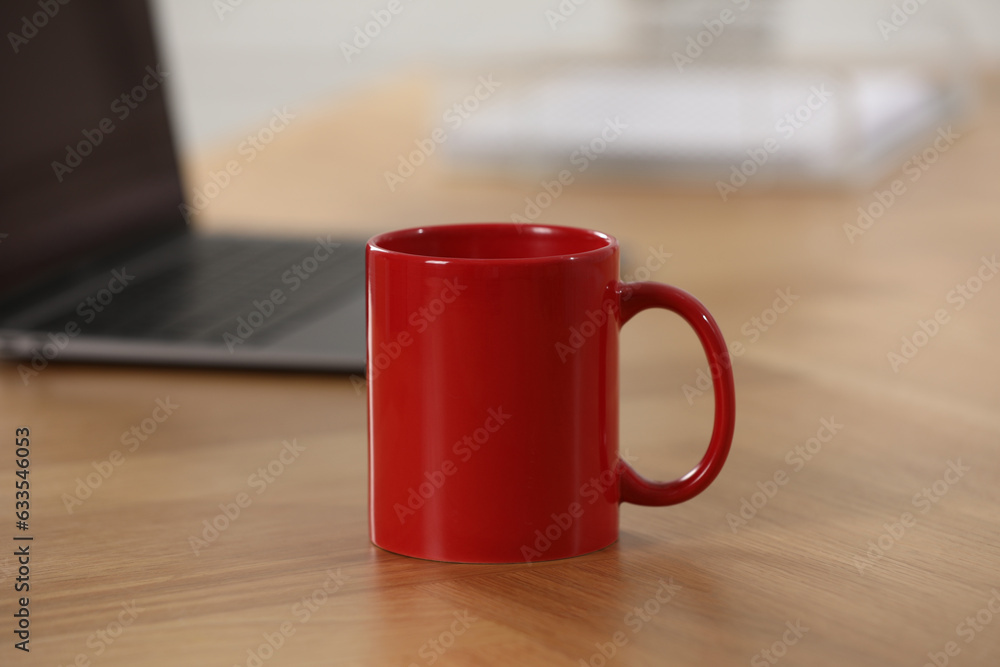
x=493, y=392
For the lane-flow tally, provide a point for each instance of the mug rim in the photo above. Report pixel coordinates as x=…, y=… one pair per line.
x=609, y=247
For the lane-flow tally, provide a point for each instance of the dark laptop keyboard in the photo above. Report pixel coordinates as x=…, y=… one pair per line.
x=199, y=288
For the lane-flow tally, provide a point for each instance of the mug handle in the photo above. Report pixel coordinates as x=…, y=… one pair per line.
x=636, y=297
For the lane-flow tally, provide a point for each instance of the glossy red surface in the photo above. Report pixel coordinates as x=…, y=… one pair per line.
x=493, y=392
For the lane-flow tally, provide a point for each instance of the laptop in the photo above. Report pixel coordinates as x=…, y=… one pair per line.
x=97, y=260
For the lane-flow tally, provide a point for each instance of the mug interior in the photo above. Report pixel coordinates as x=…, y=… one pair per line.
x=493, y=241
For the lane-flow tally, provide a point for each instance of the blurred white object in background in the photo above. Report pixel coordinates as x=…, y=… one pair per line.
x=801, y=125
x=705, y=92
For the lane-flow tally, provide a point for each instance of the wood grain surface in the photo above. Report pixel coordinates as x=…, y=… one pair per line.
x=856, y=522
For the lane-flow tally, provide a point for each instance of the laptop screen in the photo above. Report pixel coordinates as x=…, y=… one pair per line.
x=87, y=165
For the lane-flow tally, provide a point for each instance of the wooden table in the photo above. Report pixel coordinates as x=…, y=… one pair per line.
x=856, y=522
